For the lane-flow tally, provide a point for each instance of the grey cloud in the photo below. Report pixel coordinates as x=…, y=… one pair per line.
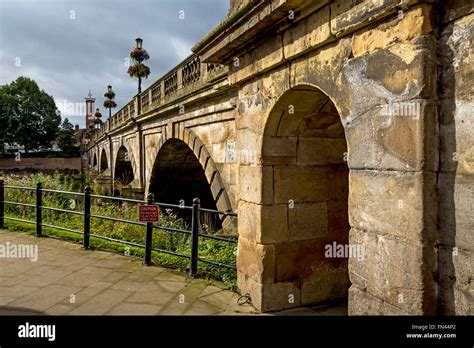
x=66, y=56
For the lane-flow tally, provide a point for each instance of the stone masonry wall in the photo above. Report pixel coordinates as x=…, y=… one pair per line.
x=376, y=62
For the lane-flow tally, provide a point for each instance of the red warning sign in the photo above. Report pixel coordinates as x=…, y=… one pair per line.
x=148, y=213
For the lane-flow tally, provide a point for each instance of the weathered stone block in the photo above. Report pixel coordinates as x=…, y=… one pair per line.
x=396, y=136
x=362, y=303
x=455, y=55
x=301, y=184
x=279, y=150
x=406, y=26
x=400, y=73
x=311, y=32
x=263, y=224
x=256, y=184
x=256, y=61
x=248, y=147
x=464, y=301
x=395, y=271
x=457, y=135
x=462, y=261
x=455, y=9
x=338, y=220
x=394, y=204
x=327, y=284
x=456, y=199
x=347, y=16
x=321, y=151
x=321, y=67
x=219, y=152
x=300, y=259
x=255, y=260
x=270, y=296
x=257, y=97
x=308, y=221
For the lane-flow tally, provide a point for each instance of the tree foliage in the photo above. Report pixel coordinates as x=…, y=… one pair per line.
x=28, y=115
x=66, y=140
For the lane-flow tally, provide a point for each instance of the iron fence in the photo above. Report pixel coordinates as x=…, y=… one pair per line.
x=88, y=197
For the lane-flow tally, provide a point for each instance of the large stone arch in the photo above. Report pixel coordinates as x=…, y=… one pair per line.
x=103, y=161
x=211, y=172
x=301, y=150
x=389, y=190
x=94, y=160
x=124, y=171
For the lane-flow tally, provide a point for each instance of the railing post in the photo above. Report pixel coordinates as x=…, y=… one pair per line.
x=195, y=237
x=2, y=205
x=87, y=217
x=149, y=235
x=39, y=210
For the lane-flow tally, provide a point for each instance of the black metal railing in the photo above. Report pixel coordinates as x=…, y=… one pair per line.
x=87, y=195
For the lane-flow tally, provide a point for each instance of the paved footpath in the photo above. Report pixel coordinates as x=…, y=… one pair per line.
x=69, y=280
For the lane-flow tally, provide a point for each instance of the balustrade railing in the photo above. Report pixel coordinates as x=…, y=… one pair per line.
x=191, y=71
x=171, y=83
x=187, y=73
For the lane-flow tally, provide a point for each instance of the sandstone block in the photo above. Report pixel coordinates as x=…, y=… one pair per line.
x=301, y=259
x=397, y=272
x=327, y=284
x=321, y=151
x=311, y=32
x=395, y=204
x=396, y=136
x=270, y=296
x=256, y=61
x=256, y=184
x=455, y=216
x=457, y=135
x=362, y=303
x=308, y=221
x=263, y=224
x=301, y=184
x=347, y=16
x=279, y=150
x=404, y=27
x=255, y=260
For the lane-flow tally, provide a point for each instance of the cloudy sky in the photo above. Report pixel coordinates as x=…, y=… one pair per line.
x=68, y=45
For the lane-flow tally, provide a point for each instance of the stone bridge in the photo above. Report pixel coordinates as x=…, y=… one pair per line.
x=342, y=134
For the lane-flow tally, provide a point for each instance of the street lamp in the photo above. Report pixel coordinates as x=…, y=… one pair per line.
x=138, y=69
x=109, y=103
x=97, y=121
x=139, y=42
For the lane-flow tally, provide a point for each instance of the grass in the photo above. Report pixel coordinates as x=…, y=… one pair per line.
x=213, y=250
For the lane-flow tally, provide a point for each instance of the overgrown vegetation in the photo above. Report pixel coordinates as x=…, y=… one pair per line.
x=219, y=251
x=28, y=115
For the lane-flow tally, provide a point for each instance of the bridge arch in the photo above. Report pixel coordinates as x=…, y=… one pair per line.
x=104, y=163
x=94, y=160
x=123, y=171
x=195, y=172
x=303, y=210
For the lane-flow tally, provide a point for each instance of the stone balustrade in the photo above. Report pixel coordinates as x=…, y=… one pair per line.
x=185, y=78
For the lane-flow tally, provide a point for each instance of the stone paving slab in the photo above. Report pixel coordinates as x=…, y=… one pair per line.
x=67, y=280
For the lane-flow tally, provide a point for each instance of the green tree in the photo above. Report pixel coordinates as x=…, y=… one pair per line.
x=29, y=115
x=66, y=140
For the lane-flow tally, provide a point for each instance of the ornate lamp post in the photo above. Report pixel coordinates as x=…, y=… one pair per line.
x=97, y=121
x=109, y=103
x=138, y=69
